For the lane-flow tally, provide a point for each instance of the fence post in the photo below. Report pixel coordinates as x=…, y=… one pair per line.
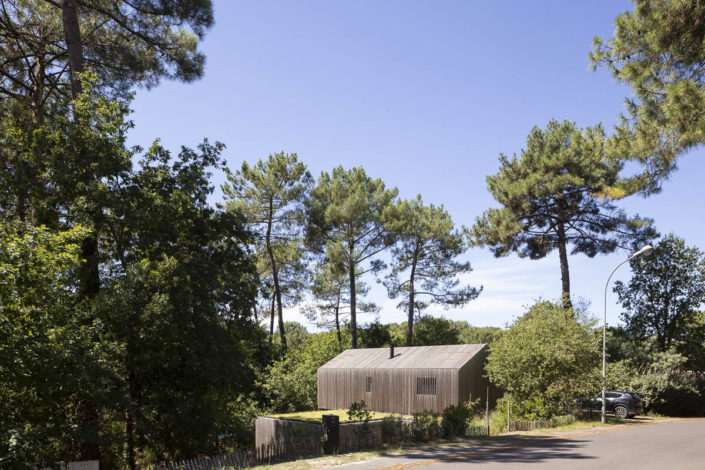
x=487, y=409
x=509, y=419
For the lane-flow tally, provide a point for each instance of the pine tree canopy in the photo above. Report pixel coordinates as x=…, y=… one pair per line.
x=659, y=50
x=553, y=196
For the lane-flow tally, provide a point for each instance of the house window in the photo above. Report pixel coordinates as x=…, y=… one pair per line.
x=368, y=384
x=425, y=385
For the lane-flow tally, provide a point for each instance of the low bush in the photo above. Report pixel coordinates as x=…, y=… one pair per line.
x=563, y=420
x=358, y=412
x=425, y=427
x=393, y=431
x=456, y=419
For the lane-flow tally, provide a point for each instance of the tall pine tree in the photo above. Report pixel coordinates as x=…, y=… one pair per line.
x=425, y=267
x=346, y=222
x=552, y=198
x=271, y=194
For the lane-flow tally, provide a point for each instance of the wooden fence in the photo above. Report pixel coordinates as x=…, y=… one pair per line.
x=478, y=431
x=241, y=459
x=527, y=425
x=288, y=438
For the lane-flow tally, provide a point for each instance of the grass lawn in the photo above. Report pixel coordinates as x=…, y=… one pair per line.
x=315, y=416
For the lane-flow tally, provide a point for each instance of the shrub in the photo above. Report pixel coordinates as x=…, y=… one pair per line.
x=456, y=419
x=543, y=360
x=289, y=384
x=425, y=427
x=563, y=420
x=498, y=418
x=358, y=411
x=393, y=430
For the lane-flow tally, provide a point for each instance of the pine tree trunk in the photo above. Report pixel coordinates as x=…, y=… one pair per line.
x=38, y=93
x=74, y=46
x=353, y=306
x=130, y=418
x=275, y=273
x=271, y=320
x=90, y=276
x=337, y=318
x=410, y=328
x=565, y=274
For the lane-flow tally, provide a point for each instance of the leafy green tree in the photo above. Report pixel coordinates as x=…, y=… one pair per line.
x=177, y=298
x=290, y=384
x=438, y=330
x=668, y=387
x=479, y=334
x=270, y=195
x=53, y=179
x=51, y=355
x=551, y=198
x=47, y=44
x=375, y=335
x=545, y=359
x=296, y=334
x=51, y=175
x=346, y=222
x=657, y=49
x=665, y=293
x=662, y=378
x=425, y=268
x=432, y=331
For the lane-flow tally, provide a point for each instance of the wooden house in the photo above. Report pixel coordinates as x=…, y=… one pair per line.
x=405, y=380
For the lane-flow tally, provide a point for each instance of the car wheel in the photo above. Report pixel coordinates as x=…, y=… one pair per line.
x=620, y=411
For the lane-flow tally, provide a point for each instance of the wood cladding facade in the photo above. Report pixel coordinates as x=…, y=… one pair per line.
x=404, y=389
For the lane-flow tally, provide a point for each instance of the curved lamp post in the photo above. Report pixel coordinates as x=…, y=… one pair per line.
x=645, y=251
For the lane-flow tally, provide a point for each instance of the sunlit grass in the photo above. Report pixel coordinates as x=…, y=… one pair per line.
x=590, y=423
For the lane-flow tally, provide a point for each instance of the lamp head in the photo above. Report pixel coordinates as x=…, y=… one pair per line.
x=645, y=251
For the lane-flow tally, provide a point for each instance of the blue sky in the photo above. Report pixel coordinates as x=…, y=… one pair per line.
x=425, y=95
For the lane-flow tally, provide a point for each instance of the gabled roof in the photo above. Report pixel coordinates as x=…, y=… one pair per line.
x=416, y=357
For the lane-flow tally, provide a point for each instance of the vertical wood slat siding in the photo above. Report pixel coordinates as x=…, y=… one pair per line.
x=287, y=437
x=473, y=382
x=393, y=390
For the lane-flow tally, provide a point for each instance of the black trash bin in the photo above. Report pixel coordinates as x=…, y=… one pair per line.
x=331, y=428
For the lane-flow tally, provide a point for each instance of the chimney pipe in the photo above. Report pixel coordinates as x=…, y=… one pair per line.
x=391, y=350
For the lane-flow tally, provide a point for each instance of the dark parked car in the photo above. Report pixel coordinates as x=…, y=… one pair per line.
x=622, y=404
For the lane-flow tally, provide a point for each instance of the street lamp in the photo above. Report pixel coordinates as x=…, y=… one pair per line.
x=645, y=251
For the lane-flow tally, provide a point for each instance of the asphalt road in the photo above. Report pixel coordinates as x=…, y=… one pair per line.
x=672, y=445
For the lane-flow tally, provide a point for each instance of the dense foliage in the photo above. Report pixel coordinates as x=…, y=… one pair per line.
x=665, y=293
x=545, y=359
x=290, y=384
